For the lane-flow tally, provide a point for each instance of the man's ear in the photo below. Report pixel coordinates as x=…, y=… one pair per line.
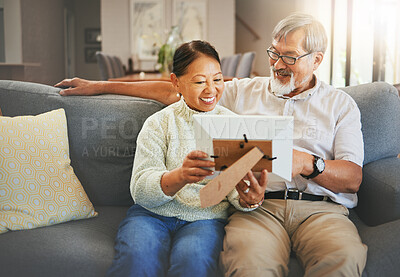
x=319, y=56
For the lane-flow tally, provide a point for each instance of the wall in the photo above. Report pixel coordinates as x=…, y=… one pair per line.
x=42, y=25
x=115, y=28
x=262, y=16
x=43, y=40
x=87, y=15
x=12, y=31
x=115, y=20
x=42, y=43
x=42, y=49
x=321, y=10
x=2, y=42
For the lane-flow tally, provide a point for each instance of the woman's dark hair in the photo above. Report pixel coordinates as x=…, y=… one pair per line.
x=187, y=52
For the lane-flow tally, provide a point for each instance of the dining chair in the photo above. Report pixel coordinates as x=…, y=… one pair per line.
x=229, y=65
x=224, y=64
x=120, y=67
x=109, y=66
x=105, y=66
x=245, y=65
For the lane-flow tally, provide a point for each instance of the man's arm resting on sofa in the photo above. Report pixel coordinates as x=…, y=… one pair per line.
x=157, y=90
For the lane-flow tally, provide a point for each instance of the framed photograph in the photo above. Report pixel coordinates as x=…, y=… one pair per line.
x=191, y=17
x=221, y=136
x=92, y=36
x=90, y=54
x=147, y=25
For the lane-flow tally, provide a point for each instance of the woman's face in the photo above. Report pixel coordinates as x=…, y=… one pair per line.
x=202, y=85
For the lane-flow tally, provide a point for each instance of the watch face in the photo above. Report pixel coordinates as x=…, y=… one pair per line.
x=320, y=165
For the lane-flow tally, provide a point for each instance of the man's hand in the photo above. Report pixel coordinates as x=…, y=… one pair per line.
x=251, y=190
x=77, y=86
x=303, y=163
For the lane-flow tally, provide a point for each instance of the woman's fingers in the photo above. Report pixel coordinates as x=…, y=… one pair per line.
x=251, y=190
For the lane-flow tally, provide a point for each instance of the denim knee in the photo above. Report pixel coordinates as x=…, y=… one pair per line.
x=196, y=248
x=142, y=246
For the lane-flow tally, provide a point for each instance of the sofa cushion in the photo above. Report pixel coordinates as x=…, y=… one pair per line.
x=379, y=193
x=102, y=133
x=40, y=187
x=379, y=104
x=383, y=247
x=76, y=248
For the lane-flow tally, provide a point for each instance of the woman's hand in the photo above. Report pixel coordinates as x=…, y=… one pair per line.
x=251, y=190
x=78, y=86
x=192, y=171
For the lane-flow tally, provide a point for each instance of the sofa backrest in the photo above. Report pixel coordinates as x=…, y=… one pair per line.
x=102, y=133
x=102, y=130
x=379, y=104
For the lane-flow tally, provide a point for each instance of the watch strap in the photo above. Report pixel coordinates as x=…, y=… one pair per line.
x=316, y=172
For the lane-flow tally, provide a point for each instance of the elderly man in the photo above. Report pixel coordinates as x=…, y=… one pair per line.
x=308, y=215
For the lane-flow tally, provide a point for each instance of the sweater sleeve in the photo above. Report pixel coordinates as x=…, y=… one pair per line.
x=149, y=164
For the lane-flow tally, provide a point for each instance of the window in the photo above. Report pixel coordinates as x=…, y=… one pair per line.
x=363, y=40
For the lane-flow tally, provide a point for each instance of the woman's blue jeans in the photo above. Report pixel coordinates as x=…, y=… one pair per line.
x=148, y=244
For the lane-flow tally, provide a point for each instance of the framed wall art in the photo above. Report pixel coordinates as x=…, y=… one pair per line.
x=90, y=54
x=92, y=36
x=191, y=17
x=147, y=28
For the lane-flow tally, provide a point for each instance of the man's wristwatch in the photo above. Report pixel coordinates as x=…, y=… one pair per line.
x=319, y=166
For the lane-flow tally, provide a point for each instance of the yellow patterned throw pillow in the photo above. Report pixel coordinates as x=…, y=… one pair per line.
x=38, y=186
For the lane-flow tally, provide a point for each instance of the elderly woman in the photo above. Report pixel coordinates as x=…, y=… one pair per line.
x=167, y=233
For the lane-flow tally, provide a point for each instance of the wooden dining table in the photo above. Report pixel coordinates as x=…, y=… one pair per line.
x=137, y=77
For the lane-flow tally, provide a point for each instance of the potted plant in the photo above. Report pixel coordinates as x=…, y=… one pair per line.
x=167, y=51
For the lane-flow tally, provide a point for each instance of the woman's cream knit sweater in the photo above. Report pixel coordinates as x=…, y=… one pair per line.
x=164, y=141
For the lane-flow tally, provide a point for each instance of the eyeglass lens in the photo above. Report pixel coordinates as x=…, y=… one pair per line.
x=285, y=59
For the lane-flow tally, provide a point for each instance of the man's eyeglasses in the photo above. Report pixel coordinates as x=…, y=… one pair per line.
x=286, y=59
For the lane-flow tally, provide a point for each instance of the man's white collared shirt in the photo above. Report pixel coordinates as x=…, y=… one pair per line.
x=326, y=123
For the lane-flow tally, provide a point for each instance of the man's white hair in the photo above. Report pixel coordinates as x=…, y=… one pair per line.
x=315, y=36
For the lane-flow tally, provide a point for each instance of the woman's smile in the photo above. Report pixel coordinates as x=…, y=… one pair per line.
x=208, y=100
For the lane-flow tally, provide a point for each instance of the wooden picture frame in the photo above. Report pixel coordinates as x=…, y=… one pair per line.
x=92, y=36
x=227, y=152
x=90, y=54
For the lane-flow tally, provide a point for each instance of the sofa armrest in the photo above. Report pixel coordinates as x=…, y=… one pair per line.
x=379, y=194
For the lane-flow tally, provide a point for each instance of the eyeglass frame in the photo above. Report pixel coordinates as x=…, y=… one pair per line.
x=281, y=56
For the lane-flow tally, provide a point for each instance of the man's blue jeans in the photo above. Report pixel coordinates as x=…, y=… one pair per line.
x=148, y=244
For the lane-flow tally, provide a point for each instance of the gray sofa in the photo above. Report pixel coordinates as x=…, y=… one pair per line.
x=102, y=132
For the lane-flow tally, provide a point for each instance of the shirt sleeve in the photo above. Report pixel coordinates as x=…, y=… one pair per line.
x=149, y=164
x=348, y=142
x=228, y=98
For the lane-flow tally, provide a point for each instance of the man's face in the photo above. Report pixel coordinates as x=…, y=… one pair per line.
x=293, y=79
